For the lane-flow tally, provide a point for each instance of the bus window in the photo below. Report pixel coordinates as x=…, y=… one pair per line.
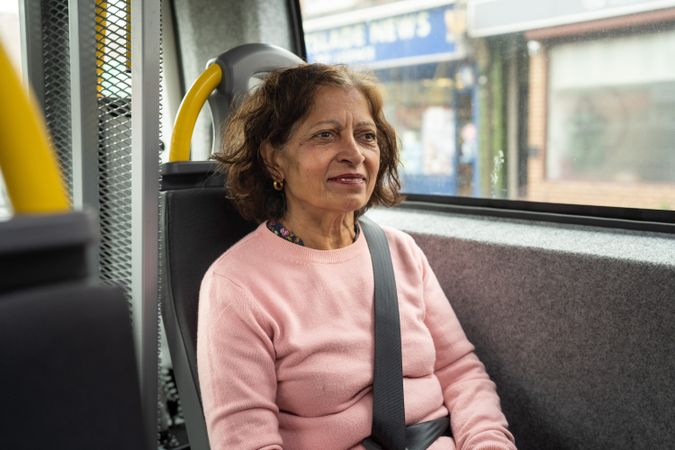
x=518, y=99
x=10, y=32
x=10, y=39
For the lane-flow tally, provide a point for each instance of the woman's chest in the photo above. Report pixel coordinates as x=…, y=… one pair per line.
x=324, y=343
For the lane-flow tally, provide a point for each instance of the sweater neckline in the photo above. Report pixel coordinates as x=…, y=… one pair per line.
x=289, y=251
x=280, y=230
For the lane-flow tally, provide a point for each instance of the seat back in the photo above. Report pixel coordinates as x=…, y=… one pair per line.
x=68, y=374
x=198, y=224
x=197, y=221
x=581, y=346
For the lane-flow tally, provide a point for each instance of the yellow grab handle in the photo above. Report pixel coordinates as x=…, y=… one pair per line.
x=189, y=110
x=28, y=164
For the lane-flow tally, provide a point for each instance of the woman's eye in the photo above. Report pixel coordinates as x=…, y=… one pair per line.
x=370, y=137
x=324, y=134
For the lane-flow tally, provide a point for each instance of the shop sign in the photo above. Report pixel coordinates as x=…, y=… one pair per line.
x=416, y=37
x=493, y=17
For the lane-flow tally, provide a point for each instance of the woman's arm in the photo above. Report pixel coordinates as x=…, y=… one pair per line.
x=470, y=396
x=237, y=377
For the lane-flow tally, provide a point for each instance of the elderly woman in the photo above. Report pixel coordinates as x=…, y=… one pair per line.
x=285, y=339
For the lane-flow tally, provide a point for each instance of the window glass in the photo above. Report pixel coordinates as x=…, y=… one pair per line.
x=536, y=100
x=10, y=39
x=612, y=113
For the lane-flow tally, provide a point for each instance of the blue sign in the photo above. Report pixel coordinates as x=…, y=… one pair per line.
x=413, y=38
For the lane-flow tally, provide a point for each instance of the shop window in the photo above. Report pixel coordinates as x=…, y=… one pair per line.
x=518, y=99
x=612, y=114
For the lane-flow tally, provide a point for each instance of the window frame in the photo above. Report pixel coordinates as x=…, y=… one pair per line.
x=648, y=220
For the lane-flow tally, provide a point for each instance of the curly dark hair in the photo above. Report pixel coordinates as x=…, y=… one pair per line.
x=268, y=115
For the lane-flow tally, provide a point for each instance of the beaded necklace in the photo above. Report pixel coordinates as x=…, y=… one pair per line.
x=284, y=233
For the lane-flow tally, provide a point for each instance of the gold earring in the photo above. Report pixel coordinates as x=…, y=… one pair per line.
x=278, y=185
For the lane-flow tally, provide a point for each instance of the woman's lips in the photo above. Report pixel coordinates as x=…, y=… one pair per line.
x=348, y=179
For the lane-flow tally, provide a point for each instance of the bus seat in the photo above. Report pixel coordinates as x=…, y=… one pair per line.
x=197, y=222
x=68, y=371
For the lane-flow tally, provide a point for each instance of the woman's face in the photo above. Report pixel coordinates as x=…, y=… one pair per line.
x=331, y=159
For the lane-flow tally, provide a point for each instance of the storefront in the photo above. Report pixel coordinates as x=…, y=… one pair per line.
x=417, y=51
x=608, y=99
x=600, y=100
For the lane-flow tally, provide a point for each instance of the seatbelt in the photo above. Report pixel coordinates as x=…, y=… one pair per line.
x=388, y=429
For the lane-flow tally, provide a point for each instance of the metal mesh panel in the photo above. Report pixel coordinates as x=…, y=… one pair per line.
x=113, y=61
x=114, y=140
x=56, y=66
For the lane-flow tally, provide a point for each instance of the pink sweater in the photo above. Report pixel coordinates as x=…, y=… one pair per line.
x=285, y=349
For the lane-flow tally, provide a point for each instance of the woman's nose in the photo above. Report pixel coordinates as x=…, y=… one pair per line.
x=351, y=151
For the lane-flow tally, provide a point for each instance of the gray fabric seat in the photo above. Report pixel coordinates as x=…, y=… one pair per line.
x=198, y=224
x=68, y=373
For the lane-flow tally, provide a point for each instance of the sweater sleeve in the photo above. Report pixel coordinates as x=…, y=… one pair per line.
x=470, y=396
x=236, y=364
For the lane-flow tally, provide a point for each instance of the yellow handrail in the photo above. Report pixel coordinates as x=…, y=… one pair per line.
x=189, y=110
x=29, y=167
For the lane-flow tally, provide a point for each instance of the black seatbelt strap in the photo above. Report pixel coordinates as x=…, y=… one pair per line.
x=388, y=429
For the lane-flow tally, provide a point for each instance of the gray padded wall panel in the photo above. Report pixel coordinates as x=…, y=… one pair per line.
x=581, y=346
x=207, y=29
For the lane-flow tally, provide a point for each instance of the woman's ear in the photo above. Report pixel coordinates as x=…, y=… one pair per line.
x=270, y=158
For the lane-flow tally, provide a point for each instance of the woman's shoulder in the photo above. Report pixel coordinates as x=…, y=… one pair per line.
x=248, y=250
x=399, y=238
x=227, y=281
x=402, y=246
x=407, y=256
